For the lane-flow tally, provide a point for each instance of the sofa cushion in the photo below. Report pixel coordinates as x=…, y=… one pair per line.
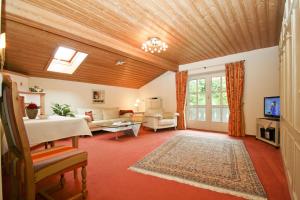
x=112, y=113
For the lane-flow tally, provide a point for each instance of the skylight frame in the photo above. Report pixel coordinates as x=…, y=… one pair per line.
x=65, y=66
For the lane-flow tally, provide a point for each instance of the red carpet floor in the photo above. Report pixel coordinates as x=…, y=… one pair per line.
x=109, y=178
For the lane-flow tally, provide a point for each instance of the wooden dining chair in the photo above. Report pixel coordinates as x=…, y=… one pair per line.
x=28, y=168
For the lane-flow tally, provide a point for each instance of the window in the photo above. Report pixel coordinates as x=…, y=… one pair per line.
x=197, y=99
x=64, y=54
x=207, y=99
x=66, y=60
x=220, y=111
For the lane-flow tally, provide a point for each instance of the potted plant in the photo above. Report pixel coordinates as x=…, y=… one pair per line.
x=62, y=110
x=32, y=110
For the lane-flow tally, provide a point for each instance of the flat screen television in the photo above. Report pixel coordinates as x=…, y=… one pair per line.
x=272, y=107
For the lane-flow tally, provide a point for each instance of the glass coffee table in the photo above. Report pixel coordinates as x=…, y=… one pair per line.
x=128, y=128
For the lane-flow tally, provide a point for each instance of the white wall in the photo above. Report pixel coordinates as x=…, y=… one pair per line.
x=20, y=79
x=261, y=79
x=79, y=94
x=164, y=87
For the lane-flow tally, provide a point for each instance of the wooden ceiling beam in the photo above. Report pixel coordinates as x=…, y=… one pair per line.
x=34, y=16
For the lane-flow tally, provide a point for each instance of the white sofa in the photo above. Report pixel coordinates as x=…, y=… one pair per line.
x=102, y=116
x=155, y=118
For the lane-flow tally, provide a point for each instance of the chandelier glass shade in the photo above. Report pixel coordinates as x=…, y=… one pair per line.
x=154, y=45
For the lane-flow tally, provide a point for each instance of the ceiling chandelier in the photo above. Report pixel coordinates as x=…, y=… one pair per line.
x=153, y=45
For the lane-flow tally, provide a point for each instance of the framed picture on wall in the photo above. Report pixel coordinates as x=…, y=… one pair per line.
x=98, y=96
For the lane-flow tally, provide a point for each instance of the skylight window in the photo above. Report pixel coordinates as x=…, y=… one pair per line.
x=66, y=60
x=65, y=54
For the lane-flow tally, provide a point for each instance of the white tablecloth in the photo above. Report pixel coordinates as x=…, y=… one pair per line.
x=53, y=128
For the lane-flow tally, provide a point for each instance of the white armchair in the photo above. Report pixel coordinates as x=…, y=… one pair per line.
x=155, y=118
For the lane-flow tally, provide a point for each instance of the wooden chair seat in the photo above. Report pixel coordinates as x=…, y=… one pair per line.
x=55, y=160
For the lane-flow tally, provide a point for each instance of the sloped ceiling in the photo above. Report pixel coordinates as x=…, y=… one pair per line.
x=113, y=30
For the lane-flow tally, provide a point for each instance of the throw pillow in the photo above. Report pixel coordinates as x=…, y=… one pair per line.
x=90, y=114
x=122, y=112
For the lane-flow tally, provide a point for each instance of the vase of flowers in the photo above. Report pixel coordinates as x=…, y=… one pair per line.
x=32, y=110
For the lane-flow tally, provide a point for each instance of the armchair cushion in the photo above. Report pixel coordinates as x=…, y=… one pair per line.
x=154, y=115
x=168, y=115
x=166, y=122
x=153, y=112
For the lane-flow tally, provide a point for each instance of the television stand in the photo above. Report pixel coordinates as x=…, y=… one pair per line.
x=267, y=130
x=270, y=118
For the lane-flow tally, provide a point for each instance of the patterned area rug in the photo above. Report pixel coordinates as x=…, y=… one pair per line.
x=221, y=165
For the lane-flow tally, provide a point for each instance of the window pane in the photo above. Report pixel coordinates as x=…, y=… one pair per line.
x=215, y=84
x=215, y=98
x=216, y=114
x=192, y=86
x=225, y=114
x=64, y=53
x=224, y=98
x=201, y=99
x=192, y=113
x=223, y=83
x=201, y=86
x=192, y=99
x=201, y=114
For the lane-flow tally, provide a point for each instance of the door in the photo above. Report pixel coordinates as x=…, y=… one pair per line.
x=207, y=107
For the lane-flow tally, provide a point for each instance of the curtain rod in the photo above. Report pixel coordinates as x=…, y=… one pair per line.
x=205, y=67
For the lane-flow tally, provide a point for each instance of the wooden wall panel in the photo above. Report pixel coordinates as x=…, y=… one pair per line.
x=29, y=51
x=194, y=30
x=296, y=189
x=290, y=96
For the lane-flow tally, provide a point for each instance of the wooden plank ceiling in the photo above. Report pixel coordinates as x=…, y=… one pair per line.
x=111, y=30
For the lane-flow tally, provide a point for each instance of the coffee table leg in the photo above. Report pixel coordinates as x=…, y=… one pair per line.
x=116, y=135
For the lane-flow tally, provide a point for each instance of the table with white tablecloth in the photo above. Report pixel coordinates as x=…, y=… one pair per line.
x=54, y=128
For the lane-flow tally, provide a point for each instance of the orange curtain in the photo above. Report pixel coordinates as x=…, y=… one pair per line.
x=235, y=73
x=181, y=81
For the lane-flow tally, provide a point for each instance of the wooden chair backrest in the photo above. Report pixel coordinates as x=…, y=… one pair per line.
x=14, y=128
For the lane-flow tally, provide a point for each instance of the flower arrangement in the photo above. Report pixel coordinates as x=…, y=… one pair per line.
x=32, y=110
x=32, y=106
